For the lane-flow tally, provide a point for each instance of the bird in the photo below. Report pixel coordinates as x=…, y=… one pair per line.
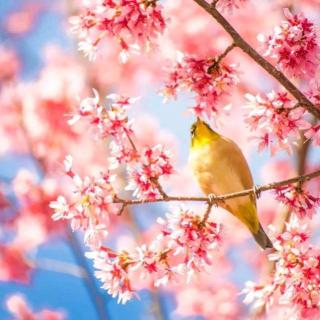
x=220, y=168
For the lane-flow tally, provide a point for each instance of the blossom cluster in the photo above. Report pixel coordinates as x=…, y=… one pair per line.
x=294, y=46
x=299, y=200
x=276, y=119
x=209, y=82
x=90, y=206
x=94, y=198
x=13, y=264
x=296, y=282
x=229, y=5
x=182, y=249
x=107, y=122
x=144, y=167
x=133, y=24
x=144, y=174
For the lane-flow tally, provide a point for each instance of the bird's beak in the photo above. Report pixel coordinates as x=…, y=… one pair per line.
x=198, y=120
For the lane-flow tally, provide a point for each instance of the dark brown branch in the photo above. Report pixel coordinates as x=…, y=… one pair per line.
x=242, y=44
x=133, y=146
x=259, y=189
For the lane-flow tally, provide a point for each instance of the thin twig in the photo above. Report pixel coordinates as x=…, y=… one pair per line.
x=217, y=61
x=221, y=198
x=207, y=213
x=274, y=72
x=133, y=146
x=159, y=187
x=123, y=207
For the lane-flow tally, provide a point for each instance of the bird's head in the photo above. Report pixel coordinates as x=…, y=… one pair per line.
x=202, y=134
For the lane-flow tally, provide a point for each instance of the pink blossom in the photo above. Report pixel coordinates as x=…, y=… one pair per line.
x=145, y=167
x=89, y=207
x=313, y=94
x=24, y=19
x=13, y=264
x=34, y=199
x=187, y=235
x=296, y=281
x=294, y=46
x=113, y=272
x=133, y=24
x=182, y=249
x=299, y=200
x=19, y=308
x=314, y=134
x=9, y=65
x=277, y=120
x=210, y=298
x=120, y=153
x=153, y=163
x=192, y=74
x=229, y=5
x=107, y=121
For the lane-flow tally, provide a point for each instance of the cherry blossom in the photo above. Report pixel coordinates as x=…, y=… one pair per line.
x=9, y=65
x=112, y=121
x=208, y=82
x=313, y=94
x=133, y=24
x=277, y=120
x=90, y=206
x=212, y=299
x=296, y=281
x=299, y=200
x=294, y=46
x=153, y=164
x=229, y=5
x=13, y=264
x=182, y=249
x=314, y=134
x=145, y=167
x=19, y=308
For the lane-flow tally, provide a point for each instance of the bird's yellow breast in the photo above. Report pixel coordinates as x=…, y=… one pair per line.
x=220, y=168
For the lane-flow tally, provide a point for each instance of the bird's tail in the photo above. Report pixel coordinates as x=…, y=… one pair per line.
x=262, y=238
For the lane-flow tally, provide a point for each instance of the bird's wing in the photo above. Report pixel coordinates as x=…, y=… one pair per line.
x=221, y=168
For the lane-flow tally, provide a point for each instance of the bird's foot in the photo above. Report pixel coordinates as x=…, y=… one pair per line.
x=257, y=192
x=213, y=199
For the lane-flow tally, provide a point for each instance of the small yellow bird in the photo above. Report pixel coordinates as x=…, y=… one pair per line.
x=220, y=168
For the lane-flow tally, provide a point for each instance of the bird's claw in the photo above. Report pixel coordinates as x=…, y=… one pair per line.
x=213, y=199
x=257, y=192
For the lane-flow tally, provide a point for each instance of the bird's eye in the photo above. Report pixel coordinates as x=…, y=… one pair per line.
x=193, y=129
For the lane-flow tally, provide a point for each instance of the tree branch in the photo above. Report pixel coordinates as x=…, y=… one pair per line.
x=221, y=198
x=242, y=44
x=216, y=62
